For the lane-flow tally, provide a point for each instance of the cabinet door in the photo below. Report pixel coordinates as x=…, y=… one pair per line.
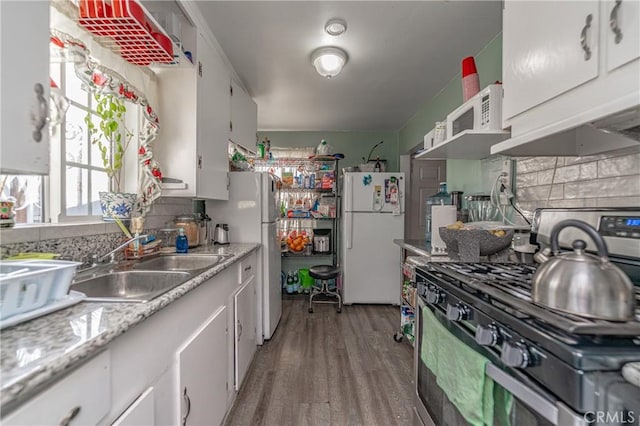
x=245, y=323
x=202, y=370
x=24, y=87
x=542, y=51
x=141, y=412
x=623, y=32
x=244, y=117
x=212, y=123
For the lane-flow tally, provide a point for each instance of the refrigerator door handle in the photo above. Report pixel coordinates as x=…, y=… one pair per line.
x=349, y=229
x=348, y=199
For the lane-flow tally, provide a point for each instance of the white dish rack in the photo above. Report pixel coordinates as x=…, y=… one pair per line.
x=28, y=285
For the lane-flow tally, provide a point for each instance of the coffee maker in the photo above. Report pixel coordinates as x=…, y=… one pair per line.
x=204, y=222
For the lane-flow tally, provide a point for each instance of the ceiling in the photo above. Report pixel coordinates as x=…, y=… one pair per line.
x=401, y=54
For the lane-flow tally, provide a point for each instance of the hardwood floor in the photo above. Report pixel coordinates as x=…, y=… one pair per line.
x=327, y=368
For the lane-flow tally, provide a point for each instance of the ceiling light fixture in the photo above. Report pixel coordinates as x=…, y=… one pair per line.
x=335, y=27
x=329, y=60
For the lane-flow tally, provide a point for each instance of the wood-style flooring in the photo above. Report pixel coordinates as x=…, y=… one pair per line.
x=327, y=368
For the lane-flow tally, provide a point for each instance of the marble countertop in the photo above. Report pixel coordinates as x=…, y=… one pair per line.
x=36, y=353
x=421, y=248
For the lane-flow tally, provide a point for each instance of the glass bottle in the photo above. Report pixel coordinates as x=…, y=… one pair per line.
x=441, y=197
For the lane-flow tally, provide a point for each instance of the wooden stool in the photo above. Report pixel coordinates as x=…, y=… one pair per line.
x=324, y=273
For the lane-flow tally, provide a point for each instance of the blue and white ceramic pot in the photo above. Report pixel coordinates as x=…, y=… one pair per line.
x=117, y=205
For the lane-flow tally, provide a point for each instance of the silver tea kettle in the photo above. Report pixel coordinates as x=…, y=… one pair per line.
x=583, y=284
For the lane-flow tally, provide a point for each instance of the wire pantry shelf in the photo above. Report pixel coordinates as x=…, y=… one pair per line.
x=125, y=30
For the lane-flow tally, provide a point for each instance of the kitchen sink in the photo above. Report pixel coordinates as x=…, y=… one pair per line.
x=181, y=262
x=129, y=286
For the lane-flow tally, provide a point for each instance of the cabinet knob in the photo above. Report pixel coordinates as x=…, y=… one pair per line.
x=613, y=22
x=186, y=398
x=583, y=37
x=40, y=113
x=66, y=420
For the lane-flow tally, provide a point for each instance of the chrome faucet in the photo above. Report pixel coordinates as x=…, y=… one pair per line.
x=112, y=254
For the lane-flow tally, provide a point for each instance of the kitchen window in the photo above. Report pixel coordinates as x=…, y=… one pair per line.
x=77, y=174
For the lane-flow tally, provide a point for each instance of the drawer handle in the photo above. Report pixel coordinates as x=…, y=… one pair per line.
x=583, y=37
x=66, y=421
x=613, y=22
x=185, y=396
x=239, y=330
x=247, y=268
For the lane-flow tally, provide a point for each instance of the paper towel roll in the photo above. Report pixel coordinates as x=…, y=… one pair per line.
x=440, y=216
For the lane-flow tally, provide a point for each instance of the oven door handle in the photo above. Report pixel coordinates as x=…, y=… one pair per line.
x=556, y=413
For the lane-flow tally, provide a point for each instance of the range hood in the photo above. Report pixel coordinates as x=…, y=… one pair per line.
x=617, y=131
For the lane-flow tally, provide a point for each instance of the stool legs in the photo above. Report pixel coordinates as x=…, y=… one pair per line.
x=324, y=290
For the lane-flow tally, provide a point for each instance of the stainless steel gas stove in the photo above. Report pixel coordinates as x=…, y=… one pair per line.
x=561, y=368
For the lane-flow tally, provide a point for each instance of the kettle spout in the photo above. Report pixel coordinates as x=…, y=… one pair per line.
x=543, y=255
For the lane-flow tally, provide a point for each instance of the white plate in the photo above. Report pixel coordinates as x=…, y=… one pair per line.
x=72, y=298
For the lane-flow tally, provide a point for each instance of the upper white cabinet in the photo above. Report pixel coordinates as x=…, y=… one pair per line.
x=195, y=113
x=24, y=87
x=244, y=117
x=565, y=65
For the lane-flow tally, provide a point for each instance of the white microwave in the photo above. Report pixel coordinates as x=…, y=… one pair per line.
x=482, y=112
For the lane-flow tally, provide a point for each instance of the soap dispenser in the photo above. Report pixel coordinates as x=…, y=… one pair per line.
x=182, y=245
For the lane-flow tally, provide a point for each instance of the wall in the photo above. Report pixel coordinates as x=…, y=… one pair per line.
x=354, y=145
x=462, y=175
x=606, y=180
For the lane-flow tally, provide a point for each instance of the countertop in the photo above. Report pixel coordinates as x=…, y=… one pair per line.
x=36, y=353
x=421, y=248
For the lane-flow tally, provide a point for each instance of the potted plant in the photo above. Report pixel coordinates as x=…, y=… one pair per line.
x=112, y=137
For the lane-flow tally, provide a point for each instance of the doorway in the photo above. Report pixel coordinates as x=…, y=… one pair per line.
x=424, y=180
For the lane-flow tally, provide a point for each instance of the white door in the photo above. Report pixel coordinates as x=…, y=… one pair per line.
x=543, y=54
x=213, y=118
x=24, y=87
x=271, y=288
x=245, y=336
x=623, y=32
x=361, y=191
x=371, y=267
x=202, y=369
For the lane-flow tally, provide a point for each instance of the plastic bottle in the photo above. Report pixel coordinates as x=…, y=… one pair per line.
x=441, y=197
x=182, y=245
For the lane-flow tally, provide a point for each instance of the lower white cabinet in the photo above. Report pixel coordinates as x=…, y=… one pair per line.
x=245, y=329
x=81, y=398
x=202, y=367
x=141, y=412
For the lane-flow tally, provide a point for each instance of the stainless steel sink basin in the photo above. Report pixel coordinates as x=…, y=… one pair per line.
x=130, y=286
x=180, y=262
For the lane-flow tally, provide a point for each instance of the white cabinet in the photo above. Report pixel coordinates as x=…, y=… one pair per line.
x=141, y=412
x=244, y=117
x=24, y=87
x=82, y=398
x=202, y=366
x=245, y=329
x=563, y=69
x=194, y=127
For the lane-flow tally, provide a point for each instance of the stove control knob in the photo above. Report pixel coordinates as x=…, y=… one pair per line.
x=488, y=335
x=516, y=355
x=459, y=312
x=434, y=296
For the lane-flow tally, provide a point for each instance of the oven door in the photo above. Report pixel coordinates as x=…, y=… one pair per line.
x=530, y=405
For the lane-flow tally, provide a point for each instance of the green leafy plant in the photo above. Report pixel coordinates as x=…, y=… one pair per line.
x=110, y=133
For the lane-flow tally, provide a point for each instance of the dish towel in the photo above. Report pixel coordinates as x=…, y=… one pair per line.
x=460, y=372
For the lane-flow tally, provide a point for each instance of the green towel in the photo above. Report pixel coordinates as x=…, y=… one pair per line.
x=460, y=372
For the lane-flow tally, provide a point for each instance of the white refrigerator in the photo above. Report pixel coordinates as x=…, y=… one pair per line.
x=252, y=216
x=372, y=217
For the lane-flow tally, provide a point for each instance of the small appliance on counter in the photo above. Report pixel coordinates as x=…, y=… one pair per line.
x=322, y=241
x=221, y=234
x=204, y=222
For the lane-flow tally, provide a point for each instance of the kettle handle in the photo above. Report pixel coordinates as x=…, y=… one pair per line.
x=601, y=245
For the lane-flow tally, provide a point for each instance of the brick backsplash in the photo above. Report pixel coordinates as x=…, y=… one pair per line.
x=605, y=180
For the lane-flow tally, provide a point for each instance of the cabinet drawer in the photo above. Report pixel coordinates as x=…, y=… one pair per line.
x=81, y=398
x=248, y=268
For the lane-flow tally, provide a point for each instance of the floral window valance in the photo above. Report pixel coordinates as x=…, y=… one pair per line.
x=101, y=79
